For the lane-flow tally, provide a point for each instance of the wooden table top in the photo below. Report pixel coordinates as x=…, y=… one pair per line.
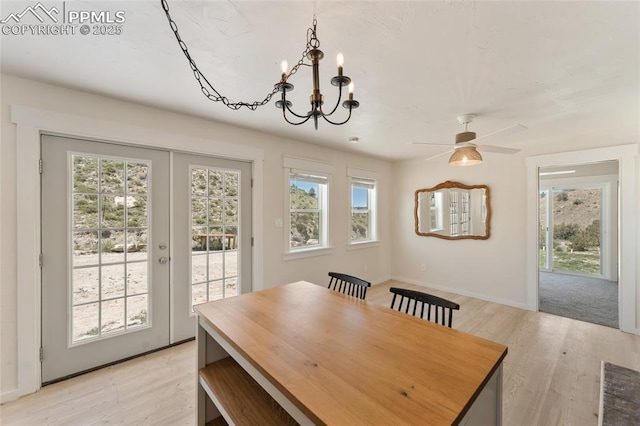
x=343, y=361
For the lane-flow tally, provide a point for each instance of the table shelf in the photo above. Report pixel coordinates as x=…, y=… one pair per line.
x=239, y=397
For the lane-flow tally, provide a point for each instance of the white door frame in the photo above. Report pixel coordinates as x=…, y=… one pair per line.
x=626, y=155
x=30, y=123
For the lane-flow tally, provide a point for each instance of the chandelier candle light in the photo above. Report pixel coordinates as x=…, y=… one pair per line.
x=317, y=99
x=311, y=52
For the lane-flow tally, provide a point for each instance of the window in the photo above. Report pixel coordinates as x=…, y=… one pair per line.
x=307, y=207
x=459, y=217
x=110, y=224
x=215, y=212
x=362, y=209
x=307, y=210
x=435, y=211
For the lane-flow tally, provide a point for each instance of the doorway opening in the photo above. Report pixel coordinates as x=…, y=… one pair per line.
x=578, y=242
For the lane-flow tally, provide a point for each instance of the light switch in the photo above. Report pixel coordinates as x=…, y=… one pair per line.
x=278, y=222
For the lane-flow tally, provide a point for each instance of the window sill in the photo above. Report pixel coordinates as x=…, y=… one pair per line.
x=363, y=245
x=301, y=254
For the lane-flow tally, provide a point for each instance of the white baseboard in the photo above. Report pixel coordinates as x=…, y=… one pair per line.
x=465, y=293
x=381, y=280
x=9, y=396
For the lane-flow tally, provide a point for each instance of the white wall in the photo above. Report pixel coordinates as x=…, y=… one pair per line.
x=495, y=269
x=371, y=263
x=490, y=269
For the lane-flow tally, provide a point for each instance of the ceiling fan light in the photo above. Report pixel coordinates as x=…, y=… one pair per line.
x=465, y=156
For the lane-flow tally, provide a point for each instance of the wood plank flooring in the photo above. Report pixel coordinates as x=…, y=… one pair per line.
x=551, y=374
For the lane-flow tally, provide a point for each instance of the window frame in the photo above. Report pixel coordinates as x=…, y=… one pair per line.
x=374, y=179
x=299, y=166
x=436, y=212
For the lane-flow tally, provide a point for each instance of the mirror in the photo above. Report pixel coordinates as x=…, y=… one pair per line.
x=453, y=211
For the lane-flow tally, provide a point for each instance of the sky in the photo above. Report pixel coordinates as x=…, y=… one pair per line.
x=359, y=194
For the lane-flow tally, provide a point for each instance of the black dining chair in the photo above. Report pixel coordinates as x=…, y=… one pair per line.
x=443, y=308
x=348, y=284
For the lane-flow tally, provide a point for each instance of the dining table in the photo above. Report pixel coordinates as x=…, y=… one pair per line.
x=300, y=353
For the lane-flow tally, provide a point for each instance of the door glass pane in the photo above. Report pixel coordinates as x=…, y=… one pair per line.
x=112, y=245
x=544, y=224
x=86, y=283
x=231, y=287
x=231, y=263
x=85, y=211
x=199, y=293
x=199, y=268
x=112, y=280
x=85, y=174
x=85, y=248
x=86, y=324
x=576, y=230
x=216, y=266
x=137, y=310
x=215, y=290
x=216, y=182
x=136, y=210
x=215, y=213
x=109, y=279
x=112, y=211
x=137, y=177
x=112, y=176
x=112, y=315
x=137, y=281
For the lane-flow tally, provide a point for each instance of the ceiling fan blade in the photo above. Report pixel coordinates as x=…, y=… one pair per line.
x=497, y=149
x=429, y=143
x=516, y=128
x=439, y=155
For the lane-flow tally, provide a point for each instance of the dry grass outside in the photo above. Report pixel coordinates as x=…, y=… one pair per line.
x=119, y=300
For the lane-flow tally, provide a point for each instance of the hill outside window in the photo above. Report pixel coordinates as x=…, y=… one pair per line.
x=307, y=195
x=362, y=209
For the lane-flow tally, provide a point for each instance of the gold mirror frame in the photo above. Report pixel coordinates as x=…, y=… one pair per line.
x=456, y=185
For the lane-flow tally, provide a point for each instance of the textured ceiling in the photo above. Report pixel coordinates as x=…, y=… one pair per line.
x=569, y=71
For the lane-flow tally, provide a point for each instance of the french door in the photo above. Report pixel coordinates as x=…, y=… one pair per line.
x=213, y=234
x=113, y=284
x=105, y=239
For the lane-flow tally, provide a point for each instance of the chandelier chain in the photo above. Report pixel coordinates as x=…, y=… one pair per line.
x=214, y=95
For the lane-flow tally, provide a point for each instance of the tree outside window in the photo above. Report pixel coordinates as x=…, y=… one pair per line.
x=307, y=210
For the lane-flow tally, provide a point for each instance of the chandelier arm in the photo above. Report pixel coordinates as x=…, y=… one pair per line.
x=337, y=124
x=337, y=103
x=297, y=115
x=284, y=115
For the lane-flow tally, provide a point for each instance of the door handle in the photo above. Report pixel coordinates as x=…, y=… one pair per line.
x=163, y=260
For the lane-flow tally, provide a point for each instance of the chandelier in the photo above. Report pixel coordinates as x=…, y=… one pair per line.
x=312, y=53
x=317, y=99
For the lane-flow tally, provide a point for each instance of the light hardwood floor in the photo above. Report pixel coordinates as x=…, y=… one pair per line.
x=551, y=374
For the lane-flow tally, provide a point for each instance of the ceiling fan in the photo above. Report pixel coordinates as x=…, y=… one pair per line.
x=465, y=149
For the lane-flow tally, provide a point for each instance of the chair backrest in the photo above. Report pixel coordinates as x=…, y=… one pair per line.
x=443, y=308
x=347, y=284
